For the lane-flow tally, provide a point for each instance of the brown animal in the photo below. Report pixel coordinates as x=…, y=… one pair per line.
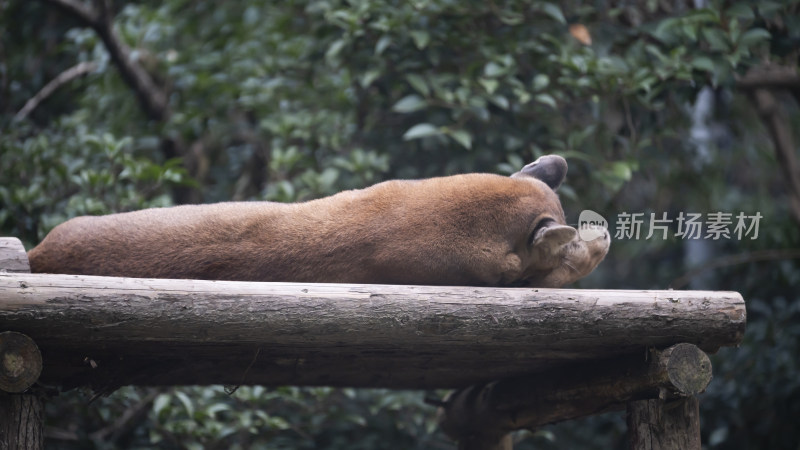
x=474, y=229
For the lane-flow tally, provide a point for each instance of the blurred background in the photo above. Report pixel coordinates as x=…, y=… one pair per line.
x=660, y=106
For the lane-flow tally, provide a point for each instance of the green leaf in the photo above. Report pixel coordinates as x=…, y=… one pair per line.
x=665, y=31
x=369, y=77
x=547, y=99
x=421, y=38
x=741, y=11
x=554, y=11
x=690, y=30
x=716, y=39
x=501, y=101
x=161, y=402
x=421, y=130
x=489, y=84
x=492, y=69
x=332, y=55
x=382, y=44
x=703, y=63
x=540, y=82
x=754, y=36
x=622, y=170
x=462, y=137
x=409, y=103
x=511, y=17
x=419, y=84
x=186, y=401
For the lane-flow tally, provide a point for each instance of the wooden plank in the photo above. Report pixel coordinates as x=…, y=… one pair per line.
x=95, y=330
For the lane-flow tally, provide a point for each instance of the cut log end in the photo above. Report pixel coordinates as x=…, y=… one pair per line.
x=689, y=369
x=20, y=362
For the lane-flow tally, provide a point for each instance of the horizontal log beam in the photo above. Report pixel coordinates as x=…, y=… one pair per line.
x=107, y=332
x=480, y=416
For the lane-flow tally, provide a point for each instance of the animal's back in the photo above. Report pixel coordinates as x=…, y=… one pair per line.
x=186, y=241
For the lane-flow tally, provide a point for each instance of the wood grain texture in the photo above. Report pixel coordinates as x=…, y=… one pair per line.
x=106, y=331
x=657, y=424
x=487, y=412
x=20, y=362
x=13, y=257
x=21, y=422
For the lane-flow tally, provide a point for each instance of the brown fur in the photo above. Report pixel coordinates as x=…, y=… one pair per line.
x=470, y=229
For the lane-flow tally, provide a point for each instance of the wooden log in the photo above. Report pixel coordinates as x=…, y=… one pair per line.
x=21, y=415
x=486, y=413
x=13, y=257
x=660, y=424
x=21, y=422
x=96, y=330
x=20, y=362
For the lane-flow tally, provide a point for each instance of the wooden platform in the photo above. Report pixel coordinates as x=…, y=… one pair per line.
x=521, y=357
x=107, y=332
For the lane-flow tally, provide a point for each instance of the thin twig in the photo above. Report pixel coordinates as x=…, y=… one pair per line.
x=629, y=120
x=244, y=375
x=129, y=420
x=63, y=78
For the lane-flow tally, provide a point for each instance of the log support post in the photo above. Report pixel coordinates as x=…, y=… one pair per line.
x=662, y=424
x=21, y=409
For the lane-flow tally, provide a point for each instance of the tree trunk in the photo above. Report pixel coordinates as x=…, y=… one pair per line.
x=21, y=422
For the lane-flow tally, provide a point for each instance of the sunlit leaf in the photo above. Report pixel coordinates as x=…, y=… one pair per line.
x=409, y=103
x=463, y=137
x=553, y=10
x=421, y=130
x=421, y=38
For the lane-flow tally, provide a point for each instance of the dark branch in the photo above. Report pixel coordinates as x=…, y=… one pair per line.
x=151, y=97
x=780, y=129
x=771, y=77
x=128, y=421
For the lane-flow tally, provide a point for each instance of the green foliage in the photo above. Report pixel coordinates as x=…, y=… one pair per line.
x=758, y=380
x=256, y=417
x=67, y=171
x=288, y=101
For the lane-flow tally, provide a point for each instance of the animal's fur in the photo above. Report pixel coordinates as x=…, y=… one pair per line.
x=474, y=229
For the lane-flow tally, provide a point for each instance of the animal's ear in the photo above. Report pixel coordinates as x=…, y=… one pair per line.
x=552, y=237
x=549, y=168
